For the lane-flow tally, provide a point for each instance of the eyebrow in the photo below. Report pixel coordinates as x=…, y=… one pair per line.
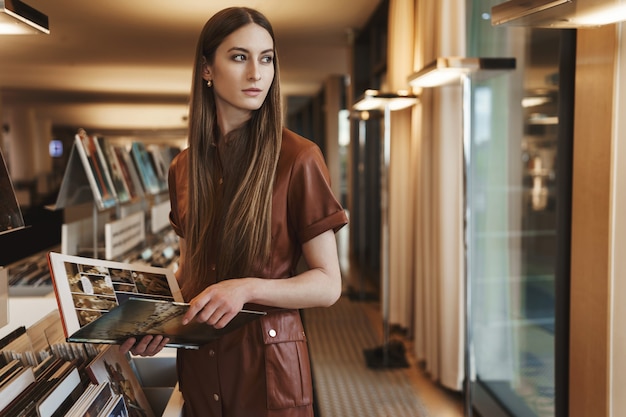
x=238, y=48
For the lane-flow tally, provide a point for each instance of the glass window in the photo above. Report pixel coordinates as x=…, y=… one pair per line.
x=512, y=201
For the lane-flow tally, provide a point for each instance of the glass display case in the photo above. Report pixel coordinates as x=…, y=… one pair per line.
x=517, y=245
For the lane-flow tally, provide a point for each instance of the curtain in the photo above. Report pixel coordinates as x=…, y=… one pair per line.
x=401, y=219
x=426, y=195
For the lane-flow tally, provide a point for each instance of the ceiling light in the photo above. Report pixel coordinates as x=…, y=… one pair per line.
x=18, y=18
x=446, y=70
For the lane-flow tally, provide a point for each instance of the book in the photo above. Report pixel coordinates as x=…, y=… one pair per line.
x=118, y=176
x=16, y=385
x=60, y=387
x=112, y=367
x=99, y=399
x=21, y=348
x=138, y=317
x=116, y=407
x=8, y=370
x=145, y=167
x=53, y=390
x=133, y=182
x=107, y=302
x=96, y=169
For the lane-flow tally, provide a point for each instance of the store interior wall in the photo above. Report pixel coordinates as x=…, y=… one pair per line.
x=618, y=261
x=591, y=280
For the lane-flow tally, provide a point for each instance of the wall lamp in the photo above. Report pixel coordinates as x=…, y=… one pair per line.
x=448, y=70
x=461, y=70
x=18, y=18
x=558, y=13
x=386, y=356
x=376, y=100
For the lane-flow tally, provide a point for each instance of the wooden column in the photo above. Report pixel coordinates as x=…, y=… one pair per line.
x=591, y=229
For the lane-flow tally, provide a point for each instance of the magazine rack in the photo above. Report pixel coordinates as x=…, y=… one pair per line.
x=41, y=323
x=76, y=190
x=107, y=176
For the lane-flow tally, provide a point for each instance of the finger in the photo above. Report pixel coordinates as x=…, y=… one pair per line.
x=209, y=314
x=153, y=347
x=196, y=305
x=216, y=315
x=127, y=345
x=140, y=347
x=163, y=343
x=156, y=348
x=224, y=320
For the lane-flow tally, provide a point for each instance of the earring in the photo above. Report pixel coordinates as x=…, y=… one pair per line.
x=209, y=83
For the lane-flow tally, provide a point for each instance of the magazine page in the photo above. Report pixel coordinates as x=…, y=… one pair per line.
x=88, y=288
x=96, y=169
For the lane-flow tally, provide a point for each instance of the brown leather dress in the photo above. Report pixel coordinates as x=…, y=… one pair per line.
x=263, y=369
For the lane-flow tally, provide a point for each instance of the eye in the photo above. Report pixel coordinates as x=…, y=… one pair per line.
x=267, y=59
x=239, y=57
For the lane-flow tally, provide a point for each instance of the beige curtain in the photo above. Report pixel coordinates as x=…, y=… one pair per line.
x=426, y=196
x=401, y=219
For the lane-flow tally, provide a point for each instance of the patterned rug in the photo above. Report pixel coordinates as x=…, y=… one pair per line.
x=344, y=385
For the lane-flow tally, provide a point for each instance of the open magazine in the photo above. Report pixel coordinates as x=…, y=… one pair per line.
x=108, y=302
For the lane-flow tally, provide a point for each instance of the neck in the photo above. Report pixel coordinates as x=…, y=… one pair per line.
x=227, y=121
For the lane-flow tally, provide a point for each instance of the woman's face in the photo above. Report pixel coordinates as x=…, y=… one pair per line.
x=243, y=71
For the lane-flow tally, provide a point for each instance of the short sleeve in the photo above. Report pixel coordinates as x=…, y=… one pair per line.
x=313, y=208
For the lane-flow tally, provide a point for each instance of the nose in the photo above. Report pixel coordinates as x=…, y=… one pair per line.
x=253, y=72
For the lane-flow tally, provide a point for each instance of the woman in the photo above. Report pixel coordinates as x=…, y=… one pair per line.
x=248, y=198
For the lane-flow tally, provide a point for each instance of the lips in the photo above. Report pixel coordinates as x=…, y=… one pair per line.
x=253, y=92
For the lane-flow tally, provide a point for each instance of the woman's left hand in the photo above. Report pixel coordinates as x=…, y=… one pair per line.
x=219, y=303
x=148, y=345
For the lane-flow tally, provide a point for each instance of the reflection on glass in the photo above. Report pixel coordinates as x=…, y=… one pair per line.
x=10, y=213
x=512, y=234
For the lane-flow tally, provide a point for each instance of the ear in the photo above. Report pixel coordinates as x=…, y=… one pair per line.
x=206, y=70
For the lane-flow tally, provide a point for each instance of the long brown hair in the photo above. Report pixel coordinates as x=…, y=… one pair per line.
x=243, y=226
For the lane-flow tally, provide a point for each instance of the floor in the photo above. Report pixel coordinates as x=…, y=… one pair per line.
x=438, y=400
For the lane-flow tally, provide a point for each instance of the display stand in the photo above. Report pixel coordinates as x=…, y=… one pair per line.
x=76, y=190
x=87, y=180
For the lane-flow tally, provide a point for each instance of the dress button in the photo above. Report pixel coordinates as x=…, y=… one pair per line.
x=216, y=397
x=221, y=181
x=211, y=353
x=272, y=333
x=213, y=267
